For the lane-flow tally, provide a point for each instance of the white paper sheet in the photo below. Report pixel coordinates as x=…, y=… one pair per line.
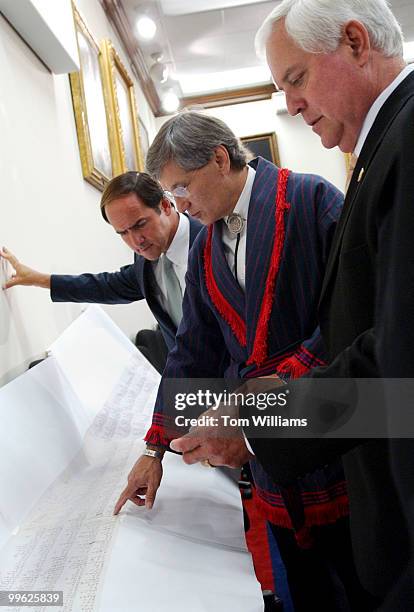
x=93, y=352
x=65, y=541
x=40, y=419
x=187, y=554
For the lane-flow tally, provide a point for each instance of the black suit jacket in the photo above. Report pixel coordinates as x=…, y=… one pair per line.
x=131, y=283
x=366, y=317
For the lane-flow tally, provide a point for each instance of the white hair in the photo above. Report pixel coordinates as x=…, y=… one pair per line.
x=317, y=25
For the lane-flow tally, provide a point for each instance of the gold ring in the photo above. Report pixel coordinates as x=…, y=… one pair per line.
x=207, y=463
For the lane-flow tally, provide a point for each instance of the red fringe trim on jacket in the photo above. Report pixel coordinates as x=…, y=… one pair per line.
x=227, y=312
x=292, y=366
x=320, y=514
x=158, y=436
x=259, y=353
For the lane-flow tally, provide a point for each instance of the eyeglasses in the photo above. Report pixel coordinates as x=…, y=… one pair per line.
x=184, y=192
x=180, y=192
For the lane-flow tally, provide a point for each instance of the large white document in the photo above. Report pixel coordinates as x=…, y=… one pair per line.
x=70, y=430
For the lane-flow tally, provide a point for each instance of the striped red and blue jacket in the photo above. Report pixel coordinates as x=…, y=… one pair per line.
x=270, y=327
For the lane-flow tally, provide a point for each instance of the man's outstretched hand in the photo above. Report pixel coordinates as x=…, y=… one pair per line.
x=143, y=480
x=23, y=275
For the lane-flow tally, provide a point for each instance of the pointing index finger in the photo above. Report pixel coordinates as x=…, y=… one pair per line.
x=121, y=501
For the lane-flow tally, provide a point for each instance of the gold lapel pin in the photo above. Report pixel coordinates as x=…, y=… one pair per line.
x=361, y=174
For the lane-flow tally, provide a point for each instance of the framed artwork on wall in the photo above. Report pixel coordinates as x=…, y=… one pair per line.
x=90, y=109
x=124, y=133
x=143, y=139
x=264, y=145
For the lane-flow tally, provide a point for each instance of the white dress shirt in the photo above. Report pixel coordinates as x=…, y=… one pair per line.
x=178, y=254
x=378, y=104
x=229, y=239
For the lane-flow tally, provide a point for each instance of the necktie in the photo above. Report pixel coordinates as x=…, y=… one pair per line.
x=173, y=288
x=352, y=163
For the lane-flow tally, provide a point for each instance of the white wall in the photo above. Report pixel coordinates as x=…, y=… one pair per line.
x=49, y=216
x=299, y=148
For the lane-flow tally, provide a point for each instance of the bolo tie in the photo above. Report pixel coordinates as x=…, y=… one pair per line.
x=235, y=224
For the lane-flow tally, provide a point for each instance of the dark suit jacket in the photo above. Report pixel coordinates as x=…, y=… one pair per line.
x=131, y=283
x=366, y=316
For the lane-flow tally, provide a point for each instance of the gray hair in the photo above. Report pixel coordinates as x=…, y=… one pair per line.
x=317, y=25
x=190, y=139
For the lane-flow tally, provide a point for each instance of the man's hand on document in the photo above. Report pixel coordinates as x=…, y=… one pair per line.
x=213, y=452
x=218, y=438
x=215, y=441
x=143, y=480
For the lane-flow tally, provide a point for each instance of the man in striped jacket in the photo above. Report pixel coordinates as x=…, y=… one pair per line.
x=250, y=307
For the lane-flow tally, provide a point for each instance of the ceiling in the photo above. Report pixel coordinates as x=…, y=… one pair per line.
x=209, y=44
x=201, y=39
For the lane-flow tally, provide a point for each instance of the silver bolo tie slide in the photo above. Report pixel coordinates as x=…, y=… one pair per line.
x=235, y=224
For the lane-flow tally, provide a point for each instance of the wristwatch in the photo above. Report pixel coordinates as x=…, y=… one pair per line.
x=149, y=452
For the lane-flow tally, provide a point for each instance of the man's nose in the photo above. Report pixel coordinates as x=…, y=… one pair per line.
x=295, y=104
x=182, y=204
x=136, y=239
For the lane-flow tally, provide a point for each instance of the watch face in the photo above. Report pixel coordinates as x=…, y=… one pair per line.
x=235, y=223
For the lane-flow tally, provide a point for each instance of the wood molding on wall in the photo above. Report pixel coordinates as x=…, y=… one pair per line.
x=116, y=14
x=236, y=96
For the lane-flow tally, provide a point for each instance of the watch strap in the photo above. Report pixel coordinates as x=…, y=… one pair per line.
x=149, y=452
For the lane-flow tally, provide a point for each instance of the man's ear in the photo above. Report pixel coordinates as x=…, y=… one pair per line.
x=356, y=37
x=222, y=159
x=166, y=206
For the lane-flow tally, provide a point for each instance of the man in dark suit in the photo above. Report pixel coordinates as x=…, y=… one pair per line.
x=341, y=66
x=140, y=212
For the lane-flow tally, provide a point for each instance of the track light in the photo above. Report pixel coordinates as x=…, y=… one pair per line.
x=170, y=102
x=146, y=28
x=159, y=71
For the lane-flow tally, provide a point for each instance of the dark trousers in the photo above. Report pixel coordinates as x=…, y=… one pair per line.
x=323, y=578
x=152, y=345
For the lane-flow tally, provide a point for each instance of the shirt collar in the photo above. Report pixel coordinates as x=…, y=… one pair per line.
x=378, y=104
x=178, y=249
x=242, y=206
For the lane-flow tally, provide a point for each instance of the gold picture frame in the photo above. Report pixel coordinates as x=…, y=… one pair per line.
x=143, y=139
x=124, y=135
x=264, y=145
x=90, y=108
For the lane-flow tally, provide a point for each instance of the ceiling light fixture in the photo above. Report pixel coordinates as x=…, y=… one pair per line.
x=146, y=28
x=159, y=71
x=217, y=81
x=185, y=7
x=170, y=102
